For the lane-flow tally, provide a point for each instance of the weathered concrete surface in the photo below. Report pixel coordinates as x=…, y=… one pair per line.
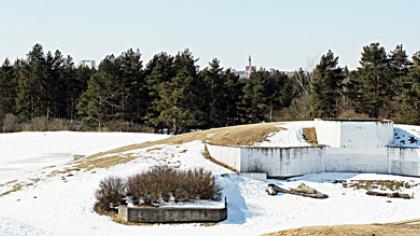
x=348, y=146
x=295, y=161
x=171, y=215
x=354, y=134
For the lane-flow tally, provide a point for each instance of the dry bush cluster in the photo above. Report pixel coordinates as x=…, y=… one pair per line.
x=10, y=123
x=156, y=185
x=110, y=194
x=41, y=123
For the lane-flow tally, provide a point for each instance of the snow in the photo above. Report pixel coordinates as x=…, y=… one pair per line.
x=62, y=204
x=406, y=136
x=208, y=204
x=27, y=153
x=292, y=136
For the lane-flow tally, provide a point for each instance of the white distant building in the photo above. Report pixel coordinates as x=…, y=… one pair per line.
x=88, y=63
x=249, y=69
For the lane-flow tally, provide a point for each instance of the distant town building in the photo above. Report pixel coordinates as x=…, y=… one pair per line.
x=249, y=69
x=88, y=63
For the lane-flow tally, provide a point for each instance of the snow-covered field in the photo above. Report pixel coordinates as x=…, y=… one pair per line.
x=62, y=204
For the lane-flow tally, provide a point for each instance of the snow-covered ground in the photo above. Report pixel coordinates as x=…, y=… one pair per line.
x=28, y=154
x=290, y=136
x=62, y=204
x=406, y=136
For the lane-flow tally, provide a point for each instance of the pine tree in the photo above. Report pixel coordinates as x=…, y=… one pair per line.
x=399, y=67
x=399, y=62
x=214, y=78
x=96, y=104
x=180, y=105
x=73, y=85
x=8, y=86
x=411, y=95
x=232, y=98
x=326, y=87
x=255, y=102
x=159, y=70
x=32, y=93
x=131, y=86
x=375, y=80
x=56, y=86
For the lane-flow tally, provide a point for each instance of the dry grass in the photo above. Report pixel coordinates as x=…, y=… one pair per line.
x=103, y=161
x=10, y=182
x=309, y=134
x=246, y=135
x=353, y=230
x=392, y=185
x=15, y=188
x=153, y=149
x=232, y=136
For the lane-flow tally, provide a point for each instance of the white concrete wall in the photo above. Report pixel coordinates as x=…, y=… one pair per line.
x=356, y=160
x=404, y=161
x=365, y=134
x=354, y=134
x=286, y=162
x=230, y=156
x=352, y=147
x=282, y=161
x=328, y=132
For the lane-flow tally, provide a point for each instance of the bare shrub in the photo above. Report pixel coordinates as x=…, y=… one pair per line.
x=42, y=123
x=125, y=126
x=39, y=123
x=10, y=123
x=157, y=185
x=351, y=114
x=110, y=194
x=162, y=183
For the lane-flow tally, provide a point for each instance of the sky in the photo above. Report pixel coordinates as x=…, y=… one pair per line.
x=281, y=34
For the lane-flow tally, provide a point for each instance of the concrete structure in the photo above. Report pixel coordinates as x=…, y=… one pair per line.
x=348, y=146
x=171, y=214
x=354, y=133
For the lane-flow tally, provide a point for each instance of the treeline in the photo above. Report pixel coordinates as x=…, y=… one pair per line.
x=47, y=91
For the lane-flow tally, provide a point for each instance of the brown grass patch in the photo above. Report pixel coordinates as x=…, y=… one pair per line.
x=352, y=230
x=309, y=134
x=246, y=135
x=392, y=185
x=234, y=135
x=230, y=136
x=104, y=161
x=154, y=149
x=15, y=188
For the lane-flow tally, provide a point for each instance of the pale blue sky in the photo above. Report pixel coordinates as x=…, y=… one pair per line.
x=283, y=34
